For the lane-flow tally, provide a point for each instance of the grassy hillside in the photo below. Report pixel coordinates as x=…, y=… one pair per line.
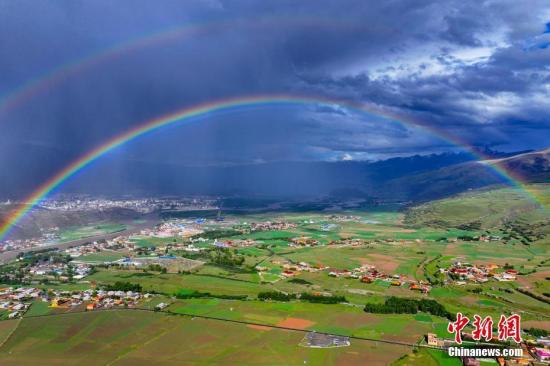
x=505, y=209
x=41, y=218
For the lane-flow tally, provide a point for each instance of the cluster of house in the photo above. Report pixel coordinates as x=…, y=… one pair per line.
x=170, y=263
x=17, y=300
x=187, y=247
x=169, y=245
x=117, y=243
x=61, y=270
x=23, y=244
x=483, y=238
x=142, y=205
x=487, y=238
x=235, y=243
x=344, y=218
x=289, y=269
x=95, y=299
x=535, y=352
x=353, y=242
x=128, y=244
x=356, y=242
x=368, y=273
x=169, y=229
x=303, y=241
x=145, y=205
x=270, y=226
x=293, y=269
x=462, y=272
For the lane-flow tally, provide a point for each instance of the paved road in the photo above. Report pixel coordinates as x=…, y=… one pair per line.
x=149, y=223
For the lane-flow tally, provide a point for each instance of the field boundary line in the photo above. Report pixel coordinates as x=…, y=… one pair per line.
x=11, y=333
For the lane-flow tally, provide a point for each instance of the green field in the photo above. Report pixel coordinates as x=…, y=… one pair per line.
x=132, y=337
x=81, y=232
x=105, y=256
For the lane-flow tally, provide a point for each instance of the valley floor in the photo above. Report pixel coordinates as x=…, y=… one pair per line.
x=474, y=254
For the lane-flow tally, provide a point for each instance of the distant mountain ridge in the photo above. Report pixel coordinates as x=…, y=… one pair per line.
x=413, y=178
x=530, y=167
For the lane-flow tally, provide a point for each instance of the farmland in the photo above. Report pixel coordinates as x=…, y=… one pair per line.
x=359, y=257
x=129, y=338
x=81, y=232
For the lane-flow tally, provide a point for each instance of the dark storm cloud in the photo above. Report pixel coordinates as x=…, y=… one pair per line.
x=477, y=70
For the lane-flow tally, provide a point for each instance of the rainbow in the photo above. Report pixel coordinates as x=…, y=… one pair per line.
x=225, y=105
x=56, y=76
x=50, y=79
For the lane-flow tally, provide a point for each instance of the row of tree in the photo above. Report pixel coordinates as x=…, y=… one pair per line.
x=276, y=295
x=321, y=299
x=281, y=296
x=123, y=286
x=397, y=305
x=193, y=294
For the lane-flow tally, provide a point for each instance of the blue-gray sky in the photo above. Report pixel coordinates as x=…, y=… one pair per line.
x=478, y=70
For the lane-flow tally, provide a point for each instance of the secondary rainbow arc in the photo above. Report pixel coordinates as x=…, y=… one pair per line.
x=190, y=113
x=33, y=87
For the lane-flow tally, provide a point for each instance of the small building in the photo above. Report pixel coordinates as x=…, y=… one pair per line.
x=432, y=339
x=161, y=306
x=287, y=273
x=60, y=303
x=542, y=354
x=366, y=279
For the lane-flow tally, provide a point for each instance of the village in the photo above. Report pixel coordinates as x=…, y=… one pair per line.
x=191, y=231
x=460, y=273
x=84, y=203
x=127, y=244
x=17, y=300
x=247, y=228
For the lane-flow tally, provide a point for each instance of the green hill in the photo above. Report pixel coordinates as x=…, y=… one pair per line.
x=505, y=209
